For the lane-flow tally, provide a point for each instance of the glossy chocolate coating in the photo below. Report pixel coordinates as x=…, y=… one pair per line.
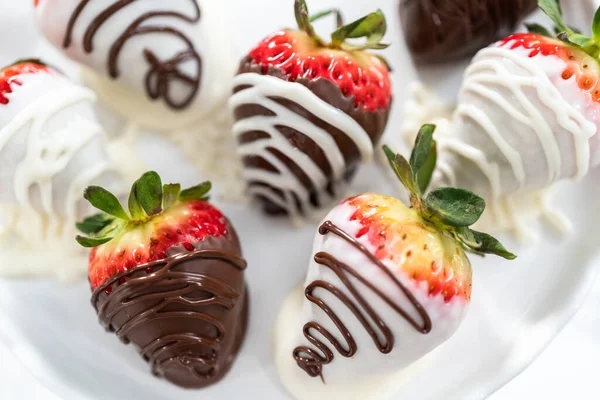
x=187, y=314
x=373, y=122
x=442, y=30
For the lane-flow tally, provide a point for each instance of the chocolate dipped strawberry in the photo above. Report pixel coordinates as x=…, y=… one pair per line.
x=168, y=276
x=527, y=117
x=442, y=31
x=387, y=284
x=51, y=148
x=161, y=64
x=308, y=112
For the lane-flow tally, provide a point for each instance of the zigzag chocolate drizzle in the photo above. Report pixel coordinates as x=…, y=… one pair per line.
x=311, y=360
x=161, y=72
x=179, y=313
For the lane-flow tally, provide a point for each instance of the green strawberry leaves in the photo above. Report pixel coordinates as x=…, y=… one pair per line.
x=402, y=169
x=171, y=193
x=372, y=27
x=94, y=224
x=449, y=210
x=303, y=20
x=422, y=148
x=564, y=32
x=104, y=235
x=145, y=198
x=148, y=193
x=135, y=209
x=105, y=201
x=424, y=157
x=148, y=197
x=596, y=27
x=416, y=174
x=490, y=245
x=196, y=193
x=92, y=242
x=455, y=207
x=552, y=9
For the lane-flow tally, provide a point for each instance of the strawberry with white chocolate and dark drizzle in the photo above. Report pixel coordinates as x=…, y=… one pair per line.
x=308, y=112
x=169, y=277
x=167, y=65
x=392, y=279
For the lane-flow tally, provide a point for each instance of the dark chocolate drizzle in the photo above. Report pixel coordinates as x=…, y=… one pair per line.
x=161, y=72
x=309, y=359
x=438, y=31
x=187, y=314
x=373, y=122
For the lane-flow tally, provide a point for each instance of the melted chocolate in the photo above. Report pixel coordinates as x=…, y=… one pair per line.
x=186, y=314
x=438, y=31
x=161, y=72
x=311, y=360
x=373, y=122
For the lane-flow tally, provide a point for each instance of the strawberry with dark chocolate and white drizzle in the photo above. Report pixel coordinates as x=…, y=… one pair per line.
x=308, y=112
x=169, y=277
x=387, y=283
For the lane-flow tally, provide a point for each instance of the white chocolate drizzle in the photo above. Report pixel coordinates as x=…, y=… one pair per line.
x=262, y=88
x=37, y=238
x=489, y=70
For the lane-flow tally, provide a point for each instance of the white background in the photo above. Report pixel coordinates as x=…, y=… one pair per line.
x=568, y=368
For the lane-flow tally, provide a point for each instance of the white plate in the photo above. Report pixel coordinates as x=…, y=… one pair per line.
x=517, y=307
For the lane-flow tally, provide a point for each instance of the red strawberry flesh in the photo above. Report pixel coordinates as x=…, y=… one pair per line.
x=357, y=73
x=579, y=64
x=184, y=224
x=399, y=235
x=10, y=76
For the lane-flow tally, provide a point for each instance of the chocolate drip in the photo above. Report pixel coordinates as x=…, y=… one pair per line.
x=438, y=31
x=187, y=314
x=373, y=122
x=309, y=359
x=161, y=73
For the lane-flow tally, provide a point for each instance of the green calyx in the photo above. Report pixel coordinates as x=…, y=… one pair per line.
x=590, y=45
x=450, y=210
x=147, y=199
x=371, y=27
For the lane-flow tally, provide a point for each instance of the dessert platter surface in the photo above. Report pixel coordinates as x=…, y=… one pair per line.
x=213, y=296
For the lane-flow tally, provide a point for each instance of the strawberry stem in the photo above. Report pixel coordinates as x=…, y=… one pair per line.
x=371, y=27
x=148, y=198
x=591, y=45
x=449, y=210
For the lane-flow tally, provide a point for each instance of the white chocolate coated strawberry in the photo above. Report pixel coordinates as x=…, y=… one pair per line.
x=429, y=275
x=161, y=64
x=519, y=125
x=51, y=148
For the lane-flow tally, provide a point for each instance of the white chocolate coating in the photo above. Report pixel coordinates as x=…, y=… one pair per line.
x=262, y=87
x=518, y=126
x=127, y=95
x=514, y=212
x=377, y=373
x=51, y=149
